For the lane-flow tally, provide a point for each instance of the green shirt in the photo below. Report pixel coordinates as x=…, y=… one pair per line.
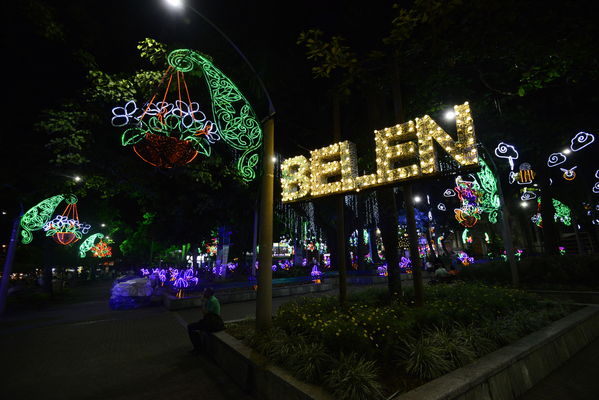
x=212, y=305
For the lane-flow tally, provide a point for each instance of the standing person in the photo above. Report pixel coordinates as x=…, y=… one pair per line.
x=211, y=321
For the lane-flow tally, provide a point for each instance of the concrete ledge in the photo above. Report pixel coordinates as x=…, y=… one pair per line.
x=510, y=371
x=252, y=372
x=171, y=302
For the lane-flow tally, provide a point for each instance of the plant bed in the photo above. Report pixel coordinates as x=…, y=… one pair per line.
x=377, y=346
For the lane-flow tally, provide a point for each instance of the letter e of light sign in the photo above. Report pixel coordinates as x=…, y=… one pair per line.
x=404, y=151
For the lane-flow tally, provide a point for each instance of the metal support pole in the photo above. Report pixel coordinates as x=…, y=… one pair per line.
x=341, y=258
x=264, y=290
x=10, y=255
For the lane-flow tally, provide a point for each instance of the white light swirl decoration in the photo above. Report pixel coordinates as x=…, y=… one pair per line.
x=449, y=193
x=556, y=159
x=528, y=196
x=441, y=207
x=596, y=187
x=581, y=140
x=504, y=150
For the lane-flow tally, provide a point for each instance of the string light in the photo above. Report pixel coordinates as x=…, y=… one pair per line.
x=333, y=169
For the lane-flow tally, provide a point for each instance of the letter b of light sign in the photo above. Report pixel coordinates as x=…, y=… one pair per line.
x=404, y=151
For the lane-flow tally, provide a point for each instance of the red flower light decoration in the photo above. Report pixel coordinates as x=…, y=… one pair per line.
x=101, y=250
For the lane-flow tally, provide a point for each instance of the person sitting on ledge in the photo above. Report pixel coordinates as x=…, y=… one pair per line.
x=210, y=322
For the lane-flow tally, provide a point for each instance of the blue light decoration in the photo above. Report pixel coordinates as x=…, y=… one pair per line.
x=504, y=150
x=315, y=274
x=405, y=265
x=180, y=283
x=130, y=292
x=465, y=258
x=581, y=140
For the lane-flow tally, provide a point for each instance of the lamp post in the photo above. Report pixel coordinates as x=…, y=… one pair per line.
x=264, y=290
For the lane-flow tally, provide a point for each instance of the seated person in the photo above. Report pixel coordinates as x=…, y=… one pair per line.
x=210, y=322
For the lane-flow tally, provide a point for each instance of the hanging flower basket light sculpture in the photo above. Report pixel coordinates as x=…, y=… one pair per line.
x=38, y=216
x=65, y=228
x=169, y=133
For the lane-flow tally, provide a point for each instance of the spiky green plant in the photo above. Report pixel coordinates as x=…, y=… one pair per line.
x=354, y=378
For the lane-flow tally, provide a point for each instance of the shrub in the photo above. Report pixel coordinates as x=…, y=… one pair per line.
x=425, y=358
x=309, y=362
x=354, y=378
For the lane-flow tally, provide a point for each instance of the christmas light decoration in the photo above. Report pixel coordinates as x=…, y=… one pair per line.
x=488, y=200
x=449, y=193
x=441, y=207
x=469, y=212
x=525, y=174
x=562, y=213
x=101, y=250
x=556, y=159
x=333, y=169
x=504, y=150
x=562, y=250
x=65, y=228
x=169, y=134
x=569, y=174
x=464, y=258
x=88, y=243
x=581, y=140
x=38, y=216
x=596, y=187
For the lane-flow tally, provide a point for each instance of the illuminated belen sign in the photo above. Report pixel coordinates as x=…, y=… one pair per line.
x=403, y=152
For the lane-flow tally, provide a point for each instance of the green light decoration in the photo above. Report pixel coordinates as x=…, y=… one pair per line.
x=88, y=244
x=36, y=217
x=236, y=120
x=170, y=134
x=489, y=201
x=562, y=213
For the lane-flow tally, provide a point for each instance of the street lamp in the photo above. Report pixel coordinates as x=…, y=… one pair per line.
x=264, y=290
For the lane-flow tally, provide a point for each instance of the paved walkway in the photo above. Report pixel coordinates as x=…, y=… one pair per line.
x=87, y=351
x=84, y=351
x=577, y=379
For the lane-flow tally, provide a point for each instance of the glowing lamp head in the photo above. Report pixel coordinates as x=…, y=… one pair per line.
x=417, y=199
x=450, y=115
x=175, y=3
x=77, y=178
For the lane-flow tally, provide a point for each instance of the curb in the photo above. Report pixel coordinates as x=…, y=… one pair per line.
x=171, y=302
x=510, y=371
